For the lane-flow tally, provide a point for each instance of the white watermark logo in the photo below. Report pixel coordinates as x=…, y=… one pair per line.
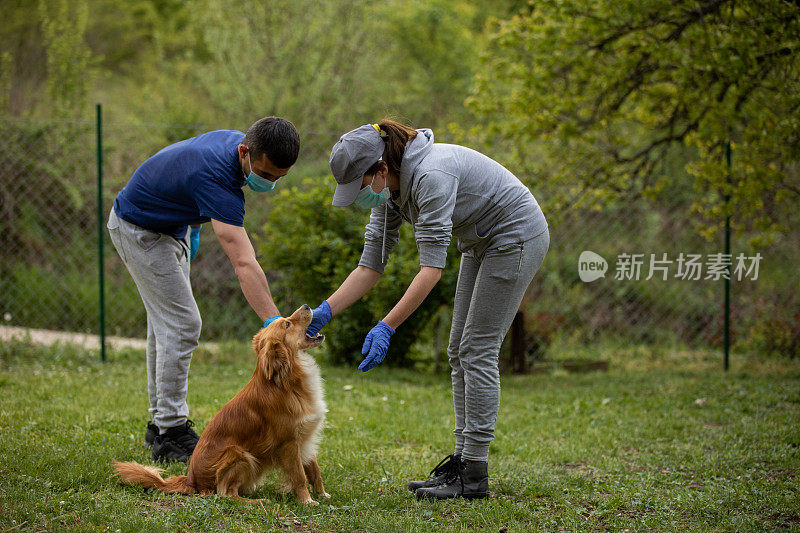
x=591, y=266
x=716, y=266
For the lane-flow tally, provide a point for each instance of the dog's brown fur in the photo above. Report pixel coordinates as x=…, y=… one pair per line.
x=273, y=422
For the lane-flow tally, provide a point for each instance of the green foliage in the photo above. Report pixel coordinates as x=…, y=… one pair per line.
x=69, y=59
x=775, y=328
x=605, y=92
x=311, y=260
x=26, y=220
x=5, y=80
x=353, y=62
x=438, y=51
x=590, y=103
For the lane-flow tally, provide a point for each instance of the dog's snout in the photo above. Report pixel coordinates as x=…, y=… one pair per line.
x=305, y=307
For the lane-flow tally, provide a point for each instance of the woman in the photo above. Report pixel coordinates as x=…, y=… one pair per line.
x=443, y=190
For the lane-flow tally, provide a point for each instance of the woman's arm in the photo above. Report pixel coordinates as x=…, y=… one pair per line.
x=376, y=343
x=420, y=287
x=357, y=284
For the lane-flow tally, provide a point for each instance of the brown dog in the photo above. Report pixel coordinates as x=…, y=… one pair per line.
x=273, y=422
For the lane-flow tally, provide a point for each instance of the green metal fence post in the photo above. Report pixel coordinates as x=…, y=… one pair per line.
x=100, y=257
x=727, y=333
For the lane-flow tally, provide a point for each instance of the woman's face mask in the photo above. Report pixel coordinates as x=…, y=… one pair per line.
x=256, y=182
x=367, y=198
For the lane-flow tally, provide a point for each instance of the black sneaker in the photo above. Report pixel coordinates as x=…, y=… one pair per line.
x=175, y=444
x=471, y=483
x=445, y=472
x=151, y=434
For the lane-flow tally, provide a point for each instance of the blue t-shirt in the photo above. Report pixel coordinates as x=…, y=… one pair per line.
x=189, y=182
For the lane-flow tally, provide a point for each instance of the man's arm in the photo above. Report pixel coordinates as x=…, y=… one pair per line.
x=252, y=279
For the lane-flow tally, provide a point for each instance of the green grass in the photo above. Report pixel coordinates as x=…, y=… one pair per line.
x=628, y=449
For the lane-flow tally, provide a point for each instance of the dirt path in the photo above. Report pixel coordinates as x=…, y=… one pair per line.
x=86, y=340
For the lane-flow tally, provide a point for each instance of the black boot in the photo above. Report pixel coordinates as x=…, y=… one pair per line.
x=176, y=443
x=471, y=483
x=151, y=434
x=444, y=472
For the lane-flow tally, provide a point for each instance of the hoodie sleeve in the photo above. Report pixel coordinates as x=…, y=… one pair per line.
x=382, y=221
x=435, y=196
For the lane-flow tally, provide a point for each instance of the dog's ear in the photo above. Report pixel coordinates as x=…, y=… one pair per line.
x=276, y=360
x=260, y=342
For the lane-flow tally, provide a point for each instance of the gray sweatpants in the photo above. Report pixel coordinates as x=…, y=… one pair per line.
x=488, y=295
x=159, y=265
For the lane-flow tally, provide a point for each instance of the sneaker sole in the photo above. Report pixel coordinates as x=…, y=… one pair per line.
x=472, y=496
x=171, y=459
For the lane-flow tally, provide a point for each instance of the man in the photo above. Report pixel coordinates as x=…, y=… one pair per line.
x=186, y=184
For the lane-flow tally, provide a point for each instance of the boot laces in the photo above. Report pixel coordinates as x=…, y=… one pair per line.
x=188, y=437
x=446, y=465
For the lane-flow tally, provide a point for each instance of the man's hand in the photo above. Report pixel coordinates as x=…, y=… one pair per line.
x=376, y=344
x=194, y=241
x=322, y=315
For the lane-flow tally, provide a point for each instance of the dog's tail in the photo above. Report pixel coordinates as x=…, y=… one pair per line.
x=149, y=477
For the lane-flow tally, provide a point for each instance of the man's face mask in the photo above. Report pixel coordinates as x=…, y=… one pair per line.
x=256, y=182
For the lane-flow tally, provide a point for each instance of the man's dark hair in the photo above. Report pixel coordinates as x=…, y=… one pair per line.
x=276, y=137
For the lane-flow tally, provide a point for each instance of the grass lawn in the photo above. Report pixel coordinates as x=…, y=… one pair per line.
x=660, y=442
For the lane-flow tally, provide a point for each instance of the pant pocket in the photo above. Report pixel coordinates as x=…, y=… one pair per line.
x=146, y=239
x=504, y=262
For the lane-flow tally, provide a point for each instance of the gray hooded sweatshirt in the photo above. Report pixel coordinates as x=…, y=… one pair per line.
x=448, y=190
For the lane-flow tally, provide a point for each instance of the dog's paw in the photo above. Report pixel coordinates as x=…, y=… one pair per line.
x=326, y=495
x=311, y=501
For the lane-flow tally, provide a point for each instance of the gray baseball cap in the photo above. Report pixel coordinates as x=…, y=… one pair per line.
x=351, y=157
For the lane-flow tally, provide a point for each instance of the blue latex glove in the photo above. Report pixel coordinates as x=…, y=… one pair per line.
x=269, y=321
x=322, y=315
x=194, y=241
x=376, y=343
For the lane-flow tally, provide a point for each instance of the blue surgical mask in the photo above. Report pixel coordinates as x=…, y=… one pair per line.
x=256, y=182
x=367, y=198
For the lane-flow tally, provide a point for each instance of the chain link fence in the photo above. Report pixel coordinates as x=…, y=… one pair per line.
x=637, y=271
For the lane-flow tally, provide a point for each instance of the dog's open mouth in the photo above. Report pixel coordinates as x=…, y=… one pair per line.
x=316, y=339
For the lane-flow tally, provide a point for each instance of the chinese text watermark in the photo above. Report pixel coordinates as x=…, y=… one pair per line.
x=715, y=266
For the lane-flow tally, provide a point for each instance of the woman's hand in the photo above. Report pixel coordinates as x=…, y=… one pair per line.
x=376, y=344
x=321, y=316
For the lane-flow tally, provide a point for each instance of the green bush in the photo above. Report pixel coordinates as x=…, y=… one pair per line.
x=312, y=260
x=775, y=328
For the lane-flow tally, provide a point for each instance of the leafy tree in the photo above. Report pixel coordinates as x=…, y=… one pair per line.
x=595, y=96
x=436, y=49
x=353, y=62
x=69, y=60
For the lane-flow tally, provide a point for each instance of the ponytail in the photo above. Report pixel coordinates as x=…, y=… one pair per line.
x=396, y=136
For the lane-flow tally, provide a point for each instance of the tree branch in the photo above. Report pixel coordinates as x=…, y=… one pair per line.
x=695, y=15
